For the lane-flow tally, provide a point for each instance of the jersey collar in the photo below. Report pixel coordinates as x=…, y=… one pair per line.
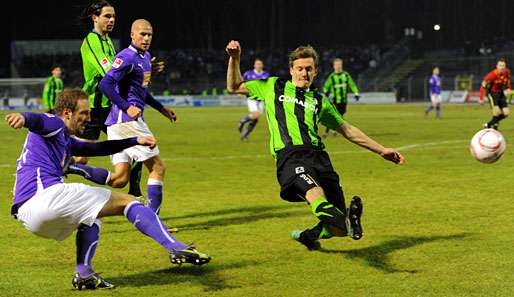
x=136, y=50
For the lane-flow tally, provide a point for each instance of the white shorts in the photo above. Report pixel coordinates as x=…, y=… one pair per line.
x=436, y=98
x=255, y=105
x=58, y=210
x=138, y=152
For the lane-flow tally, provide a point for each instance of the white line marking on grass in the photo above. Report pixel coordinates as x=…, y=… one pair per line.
x=400, y=148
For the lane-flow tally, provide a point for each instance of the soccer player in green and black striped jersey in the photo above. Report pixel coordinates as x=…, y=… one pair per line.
x=337, y=85
x=304, y=170
x=98, y=53
x=53, y=87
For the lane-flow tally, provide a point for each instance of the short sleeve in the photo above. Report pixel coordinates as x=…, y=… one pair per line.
x=329, y=116
x=259, y=89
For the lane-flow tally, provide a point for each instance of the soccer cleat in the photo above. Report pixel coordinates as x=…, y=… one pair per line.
x=90, y=282
x=311, y=245
x=495, y=127
x=189, y=255
x=240, y=127
x=486, y=125
x=354, y=216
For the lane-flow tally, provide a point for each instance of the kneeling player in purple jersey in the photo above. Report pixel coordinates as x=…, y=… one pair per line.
x=53, y=209
x=126, y=85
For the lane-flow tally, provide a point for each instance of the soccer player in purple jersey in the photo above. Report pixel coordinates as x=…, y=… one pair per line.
x=255, y=107
x=435, y=93
x=126, y=85
x=50, y=208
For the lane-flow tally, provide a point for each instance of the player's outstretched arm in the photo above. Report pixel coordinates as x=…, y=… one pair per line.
x=108, y=147
x=358, y=137
x=235, y=82
x=15, y=120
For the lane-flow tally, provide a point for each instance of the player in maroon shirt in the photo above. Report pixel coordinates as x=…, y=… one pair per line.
x=494, y=84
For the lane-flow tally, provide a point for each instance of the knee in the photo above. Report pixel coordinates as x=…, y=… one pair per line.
x=81, y=160
x=314, y=193
x=119, y=181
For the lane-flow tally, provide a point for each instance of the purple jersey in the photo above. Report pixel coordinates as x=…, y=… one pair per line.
x=252, y=75
x=435, y=85
x=47, y=151
x=131, y=70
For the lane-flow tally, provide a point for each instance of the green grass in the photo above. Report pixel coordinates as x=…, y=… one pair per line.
x=441, y=225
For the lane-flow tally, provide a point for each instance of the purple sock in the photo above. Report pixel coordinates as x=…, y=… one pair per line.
x=429, y=109
x=97, y=175
x=86, y=241
x=245, y=119
x=249, y=128
x=154, y=189
x=146, y=221
x=437, y=110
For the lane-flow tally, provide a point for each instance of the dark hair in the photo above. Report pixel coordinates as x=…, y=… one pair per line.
x=94, y=9
x=302, y=52
x=257, y=59
x=68, y=99
x=502, y=60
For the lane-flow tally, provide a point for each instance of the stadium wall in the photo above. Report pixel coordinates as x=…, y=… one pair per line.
x=199, y=101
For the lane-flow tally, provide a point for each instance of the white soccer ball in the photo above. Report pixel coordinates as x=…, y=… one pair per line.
x=487, y=145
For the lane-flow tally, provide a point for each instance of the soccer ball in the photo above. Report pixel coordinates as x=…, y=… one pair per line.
x=487, y=145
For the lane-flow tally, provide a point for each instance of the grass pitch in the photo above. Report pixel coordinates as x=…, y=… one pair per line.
x=441, y=225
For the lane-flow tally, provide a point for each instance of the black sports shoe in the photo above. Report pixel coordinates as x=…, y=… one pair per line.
x=189, y=255
x=90, y=282
x=354, y=216
x=312, y=245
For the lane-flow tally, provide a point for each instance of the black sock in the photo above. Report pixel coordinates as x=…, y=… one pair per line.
x=493, y=121
x=329, y=214
x=135, y=179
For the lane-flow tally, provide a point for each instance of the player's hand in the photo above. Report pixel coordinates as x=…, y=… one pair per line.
x=234, y=49
x=147, y=141
x=169, y=113
x=15, y=120
x=393, y=156
x=157, y=66
x=134, y=112
x=357, y=97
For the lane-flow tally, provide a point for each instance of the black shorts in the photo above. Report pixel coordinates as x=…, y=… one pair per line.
x=498, y=99
x=301, y=169
x=97, y=123
x=341, y=107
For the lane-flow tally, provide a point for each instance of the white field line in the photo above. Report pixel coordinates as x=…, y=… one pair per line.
x=359, y=151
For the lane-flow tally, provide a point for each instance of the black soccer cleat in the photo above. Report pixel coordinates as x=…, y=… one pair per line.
x=311, y=245
x=354, y=216
x=189, y=255
x=90, y=282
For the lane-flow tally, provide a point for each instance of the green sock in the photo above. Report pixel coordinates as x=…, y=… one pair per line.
x=317, y=202
x=328, y=213
x=325, y=233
